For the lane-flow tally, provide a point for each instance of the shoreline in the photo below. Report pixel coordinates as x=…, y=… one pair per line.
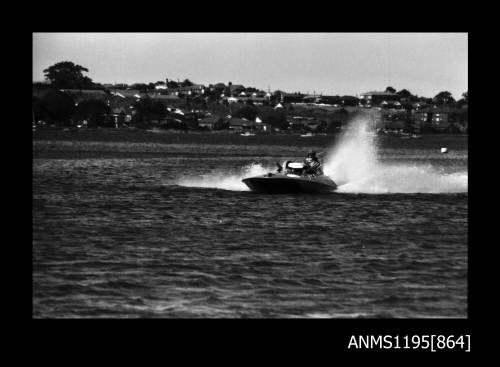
x=133, y=135
x=124, y=144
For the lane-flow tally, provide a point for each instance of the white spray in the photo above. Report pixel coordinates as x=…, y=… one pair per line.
x=354, y=164
x=221, y=180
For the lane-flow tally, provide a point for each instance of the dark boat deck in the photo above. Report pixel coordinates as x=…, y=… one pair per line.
x=286, y=184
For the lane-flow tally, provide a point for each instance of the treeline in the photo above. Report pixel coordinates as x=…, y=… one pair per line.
x=57, y=107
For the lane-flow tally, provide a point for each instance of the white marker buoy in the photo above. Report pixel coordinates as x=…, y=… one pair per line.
x=444, y=150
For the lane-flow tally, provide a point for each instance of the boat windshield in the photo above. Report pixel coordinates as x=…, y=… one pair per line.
x=296, y=168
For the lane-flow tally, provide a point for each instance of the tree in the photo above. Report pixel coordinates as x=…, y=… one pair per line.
x=172, y=84
x=148, y=110
x=141, y=87
x=276, y=118
x=463, y=101
x=466, y=97
x=443, y=98
x=67, y=75
x=186, y=83
x=39, y=109
x=405, y=93
x=390, y=90
x=59, y=106
x=248, y=112
x=92, y=110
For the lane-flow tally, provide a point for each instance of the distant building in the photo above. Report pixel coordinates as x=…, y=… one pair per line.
x=161, y=86
x=163, y=97
x=440, y=119
x=301, y=122
x=234, y=89
x=372, y=99
x=195, y=89
x=259, y=100
x=128, y=93
x=240, y=124
x=311, y=99
x=330, y=100
x=349, y=101
x=211, y=122
x=292, y=98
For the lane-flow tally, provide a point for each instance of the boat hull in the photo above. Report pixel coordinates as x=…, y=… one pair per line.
x=281, y=183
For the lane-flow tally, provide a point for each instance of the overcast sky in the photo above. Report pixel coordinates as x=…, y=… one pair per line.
x=328, y=63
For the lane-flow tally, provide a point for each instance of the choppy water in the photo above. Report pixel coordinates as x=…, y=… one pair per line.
x=178, y=236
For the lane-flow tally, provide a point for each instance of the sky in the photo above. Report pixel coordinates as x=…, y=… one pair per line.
x=328, y=63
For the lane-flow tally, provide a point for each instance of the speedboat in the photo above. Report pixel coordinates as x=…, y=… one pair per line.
x=290, y=178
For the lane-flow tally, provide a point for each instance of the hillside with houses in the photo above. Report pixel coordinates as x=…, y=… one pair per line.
x=227, y=106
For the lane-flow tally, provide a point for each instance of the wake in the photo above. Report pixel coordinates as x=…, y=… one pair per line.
x=223, y=180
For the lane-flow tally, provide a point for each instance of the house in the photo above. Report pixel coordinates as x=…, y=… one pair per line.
x=440, y=119
x=163, y=97
x=218, y=88
x=310, y=99
x=161, y=86
x=240, y=124
x=115, y=86
x=211, y=122
x=128, y=93
x=419, y=106
x=195, y=89
x=446, y=117
x=350, y=101
x=291, y=98
x=330, y=100
x=307, y=123
x=234, y=89
x=423, y=115
x=121, y=116
x=259, y=100
x=372, y=99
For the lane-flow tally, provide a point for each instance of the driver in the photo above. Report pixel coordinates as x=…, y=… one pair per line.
x=312, y=165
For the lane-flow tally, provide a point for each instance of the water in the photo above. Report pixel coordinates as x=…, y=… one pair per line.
x=176, y=234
